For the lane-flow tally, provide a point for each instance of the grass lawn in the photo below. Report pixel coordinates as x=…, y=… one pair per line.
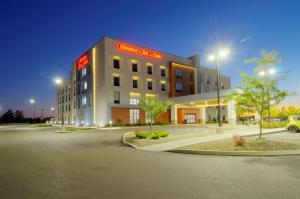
x=41, y=125
x=172, y=137
x=251, y=144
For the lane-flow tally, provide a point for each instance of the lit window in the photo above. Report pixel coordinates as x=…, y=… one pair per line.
x=149, y=69
x=162, y=71
x=163, y=86
x=134, y=67
x=178, y=73
x=179, y=87
x=116, y=79
x=83, y=72
x=85, y=85
x=83, y=100
x=134, y=101
x=116, y=63
x=116, y=97
x=149, y=84
x=135, y=83
x=134, y=116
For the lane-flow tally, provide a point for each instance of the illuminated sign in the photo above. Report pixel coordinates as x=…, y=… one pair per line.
x=82, y=61
x=136, y=50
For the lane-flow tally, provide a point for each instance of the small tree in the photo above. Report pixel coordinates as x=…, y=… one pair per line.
x=19, y=116
x=154, y=108
x=256, y=92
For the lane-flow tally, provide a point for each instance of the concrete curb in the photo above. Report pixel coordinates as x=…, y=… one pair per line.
x=220, y=153
x=130, y=144
x=239, y=153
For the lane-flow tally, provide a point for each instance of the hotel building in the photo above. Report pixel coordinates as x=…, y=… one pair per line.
x=108, y=80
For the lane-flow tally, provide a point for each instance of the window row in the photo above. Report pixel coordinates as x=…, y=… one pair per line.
x=134, y=98
x=135, y=83
x=134, y=67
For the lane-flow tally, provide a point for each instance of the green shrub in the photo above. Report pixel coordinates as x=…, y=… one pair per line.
x=155, y=136
x=271, y=125
x=142, y=135
x=163, y=134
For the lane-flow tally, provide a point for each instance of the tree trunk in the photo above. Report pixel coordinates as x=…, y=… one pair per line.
x=260, y=126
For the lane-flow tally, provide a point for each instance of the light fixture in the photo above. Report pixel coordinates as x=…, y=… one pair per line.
x=211, y=57
x=32, y=101
x=58, y=81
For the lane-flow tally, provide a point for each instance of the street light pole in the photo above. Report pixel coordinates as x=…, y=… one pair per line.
x=218, y=91
x=58, y=82
x=32, y=101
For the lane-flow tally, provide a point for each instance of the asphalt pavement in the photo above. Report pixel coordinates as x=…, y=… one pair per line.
x=40, y=163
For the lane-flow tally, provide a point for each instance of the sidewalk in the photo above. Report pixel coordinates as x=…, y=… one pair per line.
x=180, y=143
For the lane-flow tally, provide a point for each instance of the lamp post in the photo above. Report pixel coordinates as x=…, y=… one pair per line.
x=267, y=75
x=59, y=82
x=223, y=53
x=32, y=101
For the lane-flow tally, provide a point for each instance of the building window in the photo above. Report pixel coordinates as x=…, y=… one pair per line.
x=179, y=87
x=163, y=86
x=134, y=67
x=149, y=84
x=134, y=101
x=162, y=72
x=134, y=116
x=83, y=72
x=135, y=82
x=222, y=85
x=85, y=85
x=116, y=97
x=83, y=100
x=190, y=118
x=208, y=80
x=149, y=69
x=116, y=80
x=207, y=89
x=116, y=63
x=178, y=73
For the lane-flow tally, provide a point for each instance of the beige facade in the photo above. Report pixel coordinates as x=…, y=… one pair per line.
x=113, y=75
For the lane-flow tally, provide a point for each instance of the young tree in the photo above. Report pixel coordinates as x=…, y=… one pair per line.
x=8, y=117
x=153, y=108
x=265, y=67
x=257, y=91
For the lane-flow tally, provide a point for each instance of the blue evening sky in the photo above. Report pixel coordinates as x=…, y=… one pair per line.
x=40, y=39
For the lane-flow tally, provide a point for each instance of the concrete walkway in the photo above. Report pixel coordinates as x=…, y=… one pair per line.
x=180, y=143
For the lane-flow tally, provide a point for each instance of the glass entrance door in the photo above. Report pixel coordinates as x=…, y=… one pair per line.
x=190, y=118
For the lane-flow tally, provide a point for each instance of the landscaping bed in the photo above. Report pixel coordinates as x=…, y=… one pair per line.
x=133, y=139
x=251, y=144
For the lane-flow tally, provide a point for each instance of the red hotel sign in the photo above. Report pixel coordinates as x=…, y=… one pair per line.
x=82, y=61
x=136, y=50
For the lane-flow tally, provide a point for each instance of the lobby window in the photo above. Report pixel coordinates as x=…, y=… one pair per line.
x=178, y=73
x=134, y=116
x=179, y=87
x=134, y=66
x=162, y=71
x=83, y=100
x=85, y=85
x=163, y=86
x=116, y=79
x=149, y=69
x=83, y=72
x=134, y=101
x=134, y=98
x=116, y=62
x=149, y=84
x=116, y=97
x=135, y=82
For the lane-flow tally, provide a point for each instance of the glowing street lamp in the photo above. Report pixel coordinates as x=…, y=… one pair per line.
x=32, y=101
x=267, y=74
x=221, y=54
x=59, y=82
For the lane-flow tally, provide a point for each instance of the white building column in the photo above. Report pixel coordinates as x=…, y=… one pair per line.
x=231, y=112
x=202, y=115
x=173, y=114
